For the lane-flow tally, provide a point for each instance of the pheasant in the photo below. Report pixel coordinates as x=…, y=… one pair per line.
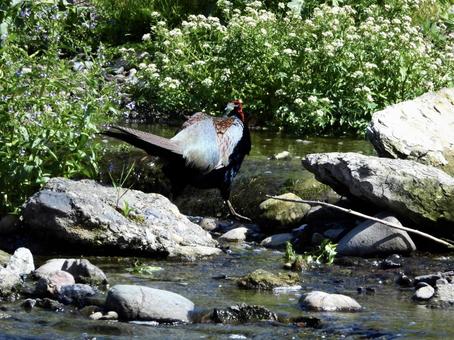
x=206, y=153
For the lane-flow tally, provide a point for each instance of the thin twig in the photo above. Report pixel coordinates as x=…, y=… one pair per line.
x=353, y=212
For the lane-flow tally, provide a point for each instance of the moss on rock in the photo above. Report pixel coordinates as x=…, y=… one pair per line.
x=265, y=280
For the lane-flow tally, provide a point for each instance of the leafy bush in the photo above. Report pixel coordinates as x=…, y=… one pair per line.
x=323, y=73
x=39, y=25
x=48, y=116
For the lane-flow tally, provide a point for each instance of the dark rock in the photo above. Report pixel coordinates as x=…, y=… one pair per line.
x=374, y=238
x=8, y=224
x=324, y=302
x=404, y=281
x=416, y=191
x=28, y=304
x=50, y=304
x=430, y=279
x=306, y=322
x=83, y=214
x=262, y=279
x=84, y=272
x=421, y=285
x=243, y=313
x=76, y=294
x=392, y=262
x=366, y=290
x=144, y=303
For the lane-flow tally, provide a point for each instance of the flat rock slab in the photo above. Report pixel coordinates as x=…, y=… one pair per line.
x=85, y=214
x=416, y=191
x=373, y=238
x=148, y=304
x=420, y=129
x=325, y=302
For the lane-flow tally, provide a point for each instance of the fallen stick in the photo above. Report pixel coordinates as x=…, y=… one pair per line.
x=353, y=212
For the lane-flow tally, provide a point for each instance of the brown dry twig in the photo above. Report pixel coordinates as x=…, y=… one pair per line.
x=356, y=213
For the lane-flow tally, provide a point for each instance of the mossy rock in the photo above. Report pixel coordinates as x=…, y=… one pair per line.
x=278, y=214
x=264, y=280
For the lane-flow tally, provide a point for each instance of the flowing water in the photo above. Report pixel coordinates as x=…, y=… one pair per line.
x=388, y=313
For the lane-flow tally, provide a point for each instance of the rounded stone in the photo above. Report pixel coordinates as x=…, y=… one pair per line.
x=145, y=303
x=324, y=302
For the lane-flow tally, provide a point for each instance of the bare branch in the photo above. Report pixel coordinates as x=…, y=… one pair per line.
x=353, y=212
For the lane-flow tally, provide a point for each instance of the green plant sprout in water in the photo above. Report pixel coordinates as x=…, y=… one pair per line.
x=140, y=268
x=126, y=209
x=323, y=254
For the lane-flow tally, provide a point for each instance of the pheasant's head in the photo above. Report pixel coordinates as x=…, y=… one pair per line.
x=235, y=108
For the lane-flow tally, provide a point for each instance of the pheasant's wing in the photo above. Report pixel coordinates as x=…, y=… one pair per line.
x=198, y=141
x=195, y=118
x=229, y=133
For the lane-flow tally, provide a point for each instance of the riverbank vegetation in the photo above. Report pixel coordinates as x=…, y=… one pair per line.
x=308, y=67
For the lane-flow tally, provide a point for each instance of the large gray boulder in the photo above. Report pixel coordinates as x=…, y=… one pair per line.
x=85, y=214
x=420, y=129
x=145, y=303
x=20, y=263
x=416, y=191
x=374, y=238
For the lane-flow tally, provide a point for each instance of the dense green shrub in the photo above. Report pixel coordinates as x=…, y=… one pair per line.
x=325, y=73
x=49, y=105
x=39, y=25
x=48, y=117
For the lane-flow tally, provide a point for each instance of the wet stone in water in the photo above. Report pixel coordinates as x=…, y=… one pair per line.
x=262, y=279
x=241, y=314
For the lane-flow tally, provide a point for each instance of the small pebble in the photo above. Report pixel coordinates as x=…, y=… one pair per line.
x=96, y=316
x=424, y=293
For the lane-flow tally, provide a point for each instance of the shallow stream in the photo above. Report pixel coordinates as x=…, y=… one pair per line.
x=388, y=313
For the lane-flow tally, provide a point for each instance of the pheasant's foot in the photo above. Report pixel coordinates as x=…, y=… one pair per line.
x=235, y=214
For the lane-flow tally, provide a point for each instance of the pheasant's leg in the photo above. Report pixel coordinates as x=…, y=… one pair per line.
x=234, y=213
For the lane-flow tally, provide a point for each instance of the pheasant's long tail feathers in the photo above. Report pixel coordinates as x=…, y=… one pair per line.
x=152, y=144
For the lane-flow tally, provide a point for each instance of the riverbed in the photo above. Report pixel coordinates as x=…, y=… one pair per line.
x=388, y=310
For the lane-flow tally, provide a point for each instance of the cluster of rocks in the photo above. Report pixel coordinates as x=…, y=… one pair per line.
x=59, y=284
x=411, y=188
x=436, y=289
x=411, y=178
